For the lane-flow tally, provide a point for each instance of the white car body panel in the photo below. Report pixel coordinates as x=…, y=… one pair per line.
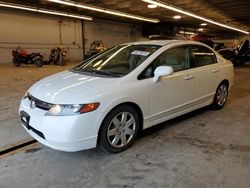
x=165, y=96
x=158, y=101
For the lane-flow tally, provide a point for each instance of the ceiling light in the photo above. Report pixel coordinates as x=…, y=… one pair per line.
x=152, y=6
x=200, y=29
x=203, y=24
x=186, y=32
x=34, y=9
x=179, y=10
x=177, y=17
x=107, y=11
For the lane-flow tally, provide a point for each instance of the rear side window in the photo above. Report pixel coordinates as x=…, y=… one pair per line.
x=201, y=56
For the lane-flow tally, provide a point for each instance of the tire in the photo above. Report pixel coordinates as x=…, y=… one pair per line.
x=236, y=63
x=119, y=129
x=242, y=62
x=16, y=62
x=38, y=62
x=62, y=61
x=239, y=62
x=220, y=97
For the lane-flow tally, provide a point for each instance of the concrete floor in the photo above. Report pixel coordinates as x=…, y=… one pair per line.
x=205, y=148
x=14, y=82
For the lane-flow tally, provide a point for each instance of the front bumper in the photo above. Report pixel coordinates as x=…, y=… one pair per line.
x=64, y=133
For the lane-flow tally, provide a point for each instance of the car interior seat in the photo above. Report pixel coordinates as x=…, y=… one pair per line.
x=174, y=61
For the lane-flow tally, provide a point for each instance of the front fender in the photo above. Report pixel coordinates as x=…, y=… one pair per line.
x=107, y=107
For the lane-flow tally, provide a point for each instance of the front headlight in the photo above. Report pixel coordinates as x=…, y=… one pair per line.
x=71, y=109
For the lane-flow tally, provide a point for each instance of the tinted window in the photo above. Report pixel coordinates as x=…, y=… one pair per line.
x=175, y=57
x=201, y=56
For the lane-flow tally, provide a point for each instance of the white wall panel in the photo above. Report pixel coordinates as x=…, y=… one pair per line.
x=111, y=33
x=40, y=32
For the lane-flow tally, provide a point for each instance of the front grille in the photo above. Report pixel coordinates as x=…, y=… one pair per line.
x=39, y=104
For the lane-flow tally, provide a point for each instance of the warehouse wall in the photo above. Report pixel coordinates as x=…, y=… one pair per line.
x=40, y=32
x=111, y=33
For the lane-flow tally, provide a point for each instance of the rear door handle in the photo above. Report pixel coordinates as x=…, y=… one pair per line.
x=189, y=77
x=215, y=70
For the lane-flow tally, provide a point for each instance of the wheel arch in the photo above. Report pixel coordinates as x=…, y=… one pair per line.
x=225, y=81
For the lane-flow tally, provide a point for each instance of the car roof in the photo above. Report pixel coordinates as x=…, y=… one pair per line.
x=162, y=42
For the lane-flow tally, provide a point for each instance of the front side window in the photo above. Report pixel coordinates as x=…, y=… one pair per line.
x=176, y=57
x=117, y=61
x=201, y=56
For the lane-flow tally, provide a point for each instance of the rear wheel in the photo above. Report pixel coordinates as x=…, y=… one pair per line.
x=38, y=62
x=220, y=97
x=119, y=129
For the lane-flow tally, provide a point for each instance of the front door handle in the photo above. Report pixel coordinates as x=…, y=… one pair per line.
x=189, y=77
x=215, y=70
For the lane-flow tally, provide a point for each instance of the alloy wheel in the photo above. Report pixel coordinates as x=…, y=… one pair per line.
x=221, y=95
x=121, y=129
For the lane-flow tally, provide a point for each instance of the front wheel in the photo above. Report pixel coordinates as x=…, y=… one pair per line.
x=220, y=97
x=62, y=61
x=119, y=129
x=16, y=62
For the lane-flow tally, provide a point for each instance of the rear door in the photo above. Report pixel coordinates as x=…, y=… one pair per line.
x=205, y=68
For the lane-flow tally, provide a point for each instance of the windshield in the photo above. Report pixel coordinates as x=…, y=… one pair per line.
x=117, y=61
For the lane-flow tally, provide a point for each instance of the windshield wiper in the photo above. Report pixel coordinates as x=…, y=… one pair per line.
x=112, y=74
x=97, y=72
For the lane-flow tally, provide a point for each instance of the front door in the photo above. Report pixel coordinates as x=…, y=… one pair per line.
x=174, y=93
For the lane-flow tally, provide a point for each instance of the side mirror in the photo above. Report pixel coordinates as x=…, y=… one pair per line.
x=162, y=71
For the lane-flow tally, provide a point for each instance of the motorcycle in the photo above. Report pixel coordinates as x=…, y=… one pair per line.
x=58, y=56
x=21, y=56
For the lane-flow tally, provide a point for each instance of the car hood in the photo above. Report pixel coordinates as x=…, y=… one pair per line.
x=62, y=86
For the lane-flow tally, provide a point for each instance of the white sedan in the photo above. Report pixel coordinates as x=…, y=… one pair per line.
x=107, y=99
